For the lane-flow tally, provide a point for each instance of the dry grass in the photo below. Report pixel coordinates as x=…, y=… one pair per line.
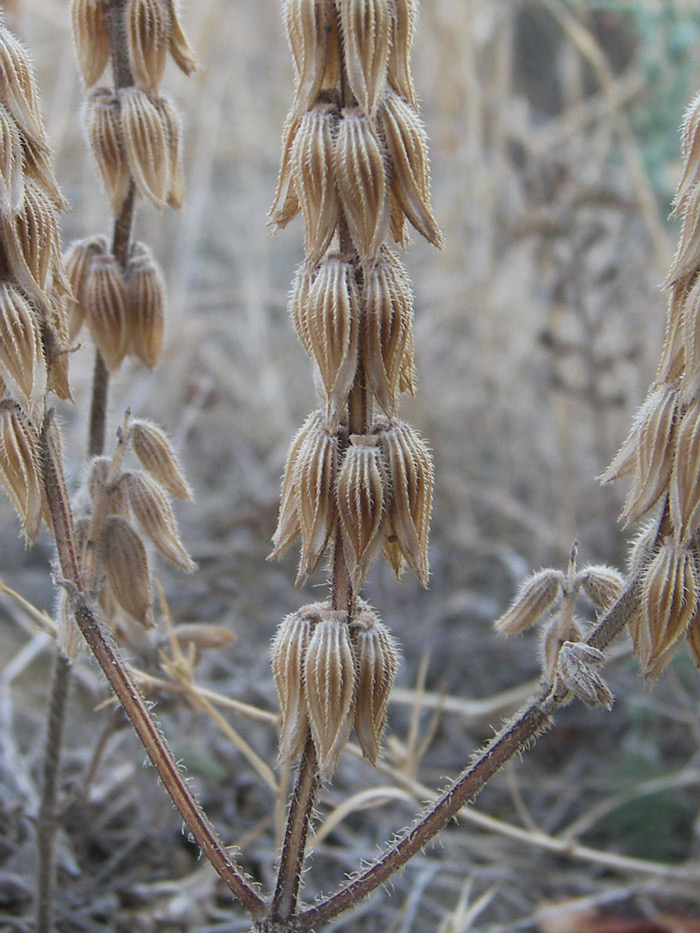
x=537, y=332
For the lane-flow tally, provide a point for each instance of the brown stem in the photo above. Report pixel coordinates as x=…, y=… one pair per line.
x=108, y=657
x=512, y=740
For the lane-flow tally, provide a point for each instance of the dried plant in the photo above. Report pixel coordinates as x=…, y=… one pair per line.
x=358, y=482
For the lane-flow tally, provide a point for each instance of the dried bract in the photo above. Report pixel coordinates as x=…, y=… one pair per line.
x=103, y=123
x=157, y=455
x=91, y=37
x=313, y=174
x=145, y=320
x=76, y=262
x=365, y=26
x=537, y=595
x=123, y=557
x=22, y=365
x=19, y=467
x=361, y=178
x=377, y=661
x=180, y=49
x=106, y=302
x=575, y=669
x=289, y=648
x=309, y=29
x=147, y=146
x=684, y=499
x=360, y=493
x=173, y=131
x=602, y=584
x=154, y=514
x=147, y=33
x=11, y=164
x=18, y=91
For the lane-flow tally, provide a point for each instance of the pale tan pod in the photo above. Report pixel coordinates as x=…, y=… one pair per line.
x=124, y=559
x=285, y=205
x=313, y=177
x=602, y=584
x=76, y=262
x=146, y=308
x=672, y=362
x=687, y=256
x=315, y=470
x=154, y=514
x=388, y=318
x=37, y=166
x=669, y=599
x=19, y=467
x=690, y=336
x=148, y=31
x=147, y=147
x=18, y=91
x=329, y=677
x=407, y=144
x=105, y=302
x=68, y=635
x=400, y=52
x=690, y=148
x=180, y=49
x=11, y=164
x=103, y=124
x=376, y=660
x=298, y=304
x=288, y=655
x=693, y=633
x=56, y=341
x=32, y=242
x=536, y=596
x=156, y=454
x=309, y=27
x=360, y=494
x=22, y=363
x=173, y=131
x=684, y=499
x=360, y=172
x=91, y=37
x=575, y=668
x=365, y=26
x=332, y=320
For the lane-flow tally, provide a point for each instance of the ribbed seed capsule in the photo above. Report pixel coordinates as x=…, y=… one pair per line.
x=366, y=29
x=123, y=557
x=173, y=132
x=22, y=363
x=147, y=147
x=19, y=467
x=76, y=262
x=315, y=469
x=684, y=499
x=309, y=30
x=536, y=596
x=147, y=34
x=672, y=362
x=32, y=243
x=376, y=661
x=411, y=481
x=687, y=257
x=407, y=143
x=690, y=150
x=360, y=492
x=146, y=307
x=11, y=164
x=285, y=206
x=153, y=512
x=103, y=123
x=690, y=336
x=388, y=316
x=289, y=648
x=400, y=52
x=18, y=90
x=38, y=168
x=602, y=584
x=313, y=174
x=180, y=49
x=91, y=37
x=106, y=301
x=332, y=319
x=329, y=676
x=299, y=304
x=361, y=177
x=156, y=454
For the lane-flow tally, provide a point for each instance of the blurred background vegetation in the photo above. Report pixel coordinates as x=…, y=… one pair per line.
x=555, y=153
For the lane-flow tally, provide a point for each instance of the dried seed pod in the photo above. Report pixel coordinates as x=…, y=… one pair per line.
x=11, y=164
x=407, y=144
x=669, y=600
x=400, y=51
x=91, y=37
x=299, y=304
x=690, y=150
x=575, y=668
x=18, y=91
x=22, y=364
x=180, y=49
x=603, y=585
x=173, y=131
x=360, y=493
x=655, y=453
x=361, y=178
x=154, y=514
x=687, y=257
x=32, y=242
x=76, y=262
x=37, y=166
x=672, y=362
x=124, y=559
x=411, y=482
x=315, y=469
x=309, y=29
x=147, y=147
x=563, y=627
x=329, y=678
x=148, y=31
x=107, y=495
x=156, y=453
x=313, y=175
x=536, y=596
x=56, y=343
x=689, y=309
x=332, y=320
x=68, y=635
x=285, y=206
x=388, y=315
x=145, y=321
x=684, y=499
x=19, y=467
x=376, y=660
x=365, y=26
x=105, y=301
x=103, y=124
x=288, y=655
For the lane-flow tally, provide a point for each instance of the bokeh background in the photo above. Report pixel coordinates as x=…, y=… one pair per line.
x=555, y=153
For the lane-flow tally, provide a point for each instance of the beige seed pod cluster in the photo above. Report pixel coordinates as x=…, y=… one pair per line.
x=661, y=455
x=128, y=512
x=358, y=479
x=33, y=287
x=135, y=136
x=332, y=675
